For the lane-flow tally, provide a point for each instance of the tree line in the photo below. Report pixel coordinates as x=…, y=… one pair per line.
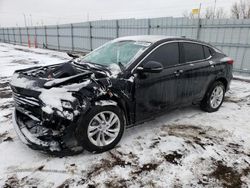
x=239, y=10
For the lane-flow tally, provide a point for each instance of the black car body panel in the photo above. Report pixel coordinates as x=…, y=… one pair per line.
x=50, y=101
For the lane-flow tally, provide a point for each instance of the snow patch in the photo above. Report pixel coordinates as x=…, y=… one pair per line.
x=131, y=79
x=105, y=103
x=115, y=69
x=52, y=98
x=21, y=82
x=77, y=86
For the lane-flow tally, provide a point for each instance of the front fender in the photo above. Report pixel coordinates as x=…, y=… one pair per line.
x=105, y=103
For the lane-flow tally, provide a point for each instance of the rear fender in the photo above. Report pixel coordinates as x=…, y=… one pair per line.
x=222, y=79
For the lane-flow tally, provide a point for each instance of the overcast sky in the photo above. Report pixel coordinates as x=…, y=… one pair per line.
x=44, y=12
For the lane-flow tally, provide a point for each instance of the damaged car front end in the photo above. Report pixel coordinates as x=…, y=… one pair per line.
x=50, y=101
x=47, y=110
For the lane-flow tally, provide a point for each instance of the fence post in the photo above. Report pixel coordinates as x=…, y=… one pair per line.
x=198, y=29
x=8, y=35
x=46, y=40
x=117, y=28
x=72, y=36
x=35, y=39
x=90, y=36
x=20, y=35
x=14, y=35
x=58, y=40
x=28, y=36
x=149, y=26
x=3, y=35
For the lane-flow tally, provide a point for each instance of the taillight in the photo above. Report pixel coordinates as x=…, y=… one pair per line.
x=230, y=62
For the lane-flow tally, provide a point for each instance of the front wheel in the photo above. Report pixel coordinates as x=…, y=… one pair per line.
x=214, y=97
x=101, y=129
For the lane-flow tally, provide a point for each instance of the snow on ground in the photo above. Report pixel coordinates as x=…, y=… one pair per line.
x=185, y=147
x=14, y=57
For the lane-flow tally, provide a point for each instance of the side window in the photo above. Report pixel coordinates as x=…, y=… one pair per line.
x=193, y=52
x=167, y=54
x=207, y=52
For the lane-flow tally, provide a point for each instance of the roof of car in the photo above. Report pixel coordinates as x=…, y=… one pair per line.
x=163, y=38
x=148, y=38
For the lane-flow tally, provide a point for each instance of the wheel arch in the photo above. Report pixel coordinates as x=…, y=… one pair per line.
x=221, y=79
x=224, y=81
x=121, y=104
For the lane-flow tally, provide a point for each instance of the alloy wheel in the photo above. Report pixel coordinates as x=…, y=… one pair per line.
x=216, y=96
x=103, y=128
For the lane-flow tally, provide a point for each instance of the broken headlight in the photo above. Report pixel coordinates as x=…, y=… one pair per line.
x=67, y=109
x=68, y=115
x=67, y=105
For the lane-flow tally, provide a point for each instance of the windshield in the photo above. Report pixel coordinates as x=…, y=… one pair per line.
x=116, y=52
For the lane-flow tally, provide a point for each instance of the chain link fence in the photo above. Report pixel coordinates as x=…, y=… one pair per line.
x=229, y=35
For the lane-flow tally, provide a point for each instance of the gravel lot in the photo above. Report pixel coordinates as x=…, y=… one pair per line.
x=185, y=147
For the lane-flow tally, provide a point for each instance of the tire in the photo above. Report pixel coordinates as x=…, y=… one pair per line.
x=206, y=104
x=92, y=120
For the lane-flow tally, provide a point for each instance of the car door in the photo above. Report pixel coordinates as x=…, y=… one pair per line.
x=155, y=92
x=193, y=72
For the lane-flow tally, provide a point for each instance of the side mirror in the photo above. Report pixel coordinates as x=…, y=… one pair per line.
x=74, y=56
x=151, y=67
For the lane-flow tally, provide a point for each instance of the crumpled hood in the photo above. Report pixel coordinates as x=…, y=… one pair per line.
x=56, y=75
x=61, y=81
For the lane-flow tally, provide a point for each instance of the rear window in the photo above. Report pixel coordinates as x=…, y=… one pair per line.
x=193, y=52
x=207, y=52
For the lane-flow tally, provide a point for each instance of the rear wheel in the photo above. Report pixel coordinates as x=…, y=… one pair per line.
x=101, y=129
x=214, y=97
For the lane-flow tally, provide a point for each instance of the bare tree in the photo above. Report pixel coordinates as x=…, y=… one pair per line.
x=209, y=13
x=243, y=6
x=187, y=14
x=241, y=9
x=220, y=13
x=235, y=10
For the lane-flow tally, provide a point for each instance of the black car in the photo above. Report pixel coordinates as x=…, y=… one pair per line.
x=86, y=103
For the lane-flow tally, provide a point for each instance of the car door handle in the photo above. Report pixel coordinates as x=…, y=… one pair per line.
x=178, y=72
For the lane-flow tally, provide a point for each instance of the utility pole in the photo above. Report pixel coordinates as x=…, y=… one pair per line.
x=199, y=23
x=31, y=20
x=215, y=1
x=25, y=23
x=199, y=15
x=87, y=16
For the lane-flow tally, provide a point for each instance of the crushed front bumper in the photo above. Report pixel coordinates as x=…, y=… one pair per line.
x=65, y=145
